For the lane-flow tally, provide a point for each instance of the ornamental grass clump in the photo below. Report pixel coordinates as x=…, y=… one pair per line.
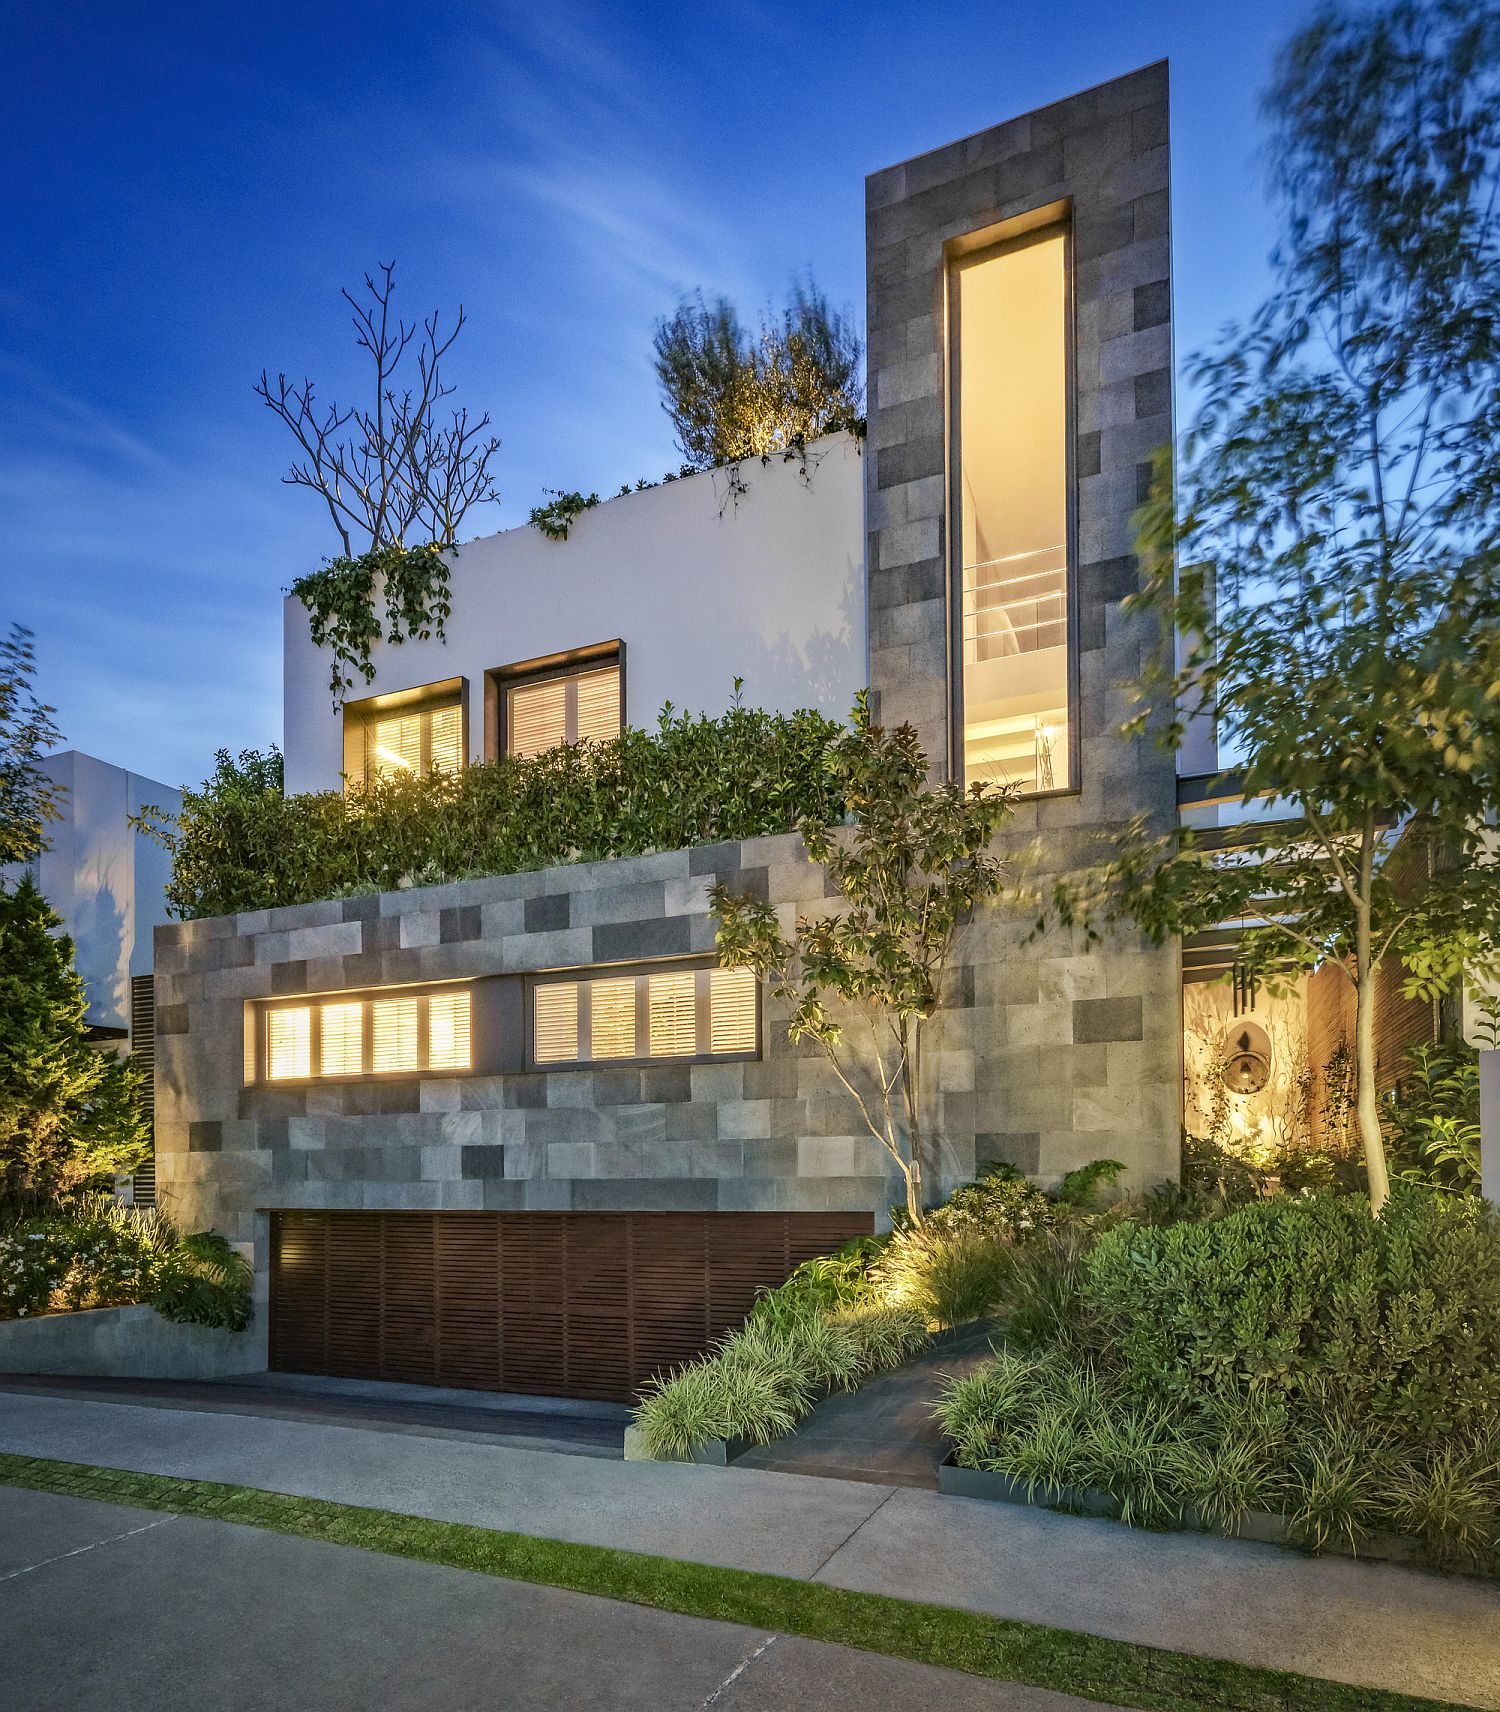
x=1296, y=1356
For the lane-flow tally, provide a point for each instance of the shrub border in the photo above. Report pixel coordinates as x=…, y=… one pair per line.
x=1122, y=1673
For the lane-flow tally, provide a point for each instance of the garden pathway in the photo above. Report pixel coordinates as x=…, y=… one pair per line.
x=1376, y=1624
x=885, y=1431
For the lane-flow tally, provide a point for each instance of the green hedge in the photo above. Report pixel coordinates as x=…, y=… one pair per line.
x=240, y=844
x=1296, y=1355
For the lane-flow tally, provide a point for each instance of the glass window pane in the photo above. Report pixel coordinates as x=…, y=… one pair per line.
x=396, y=746
x=1012, y=446
x=341, y=1046
x=612, y=1018
x=599, y=705
x=674, y=1014
x=394, y=1034
x=448, y=1033
x=289, y=1043
x=731, y=999
x=537, y=716
x=554, y=1009
x=447, y=745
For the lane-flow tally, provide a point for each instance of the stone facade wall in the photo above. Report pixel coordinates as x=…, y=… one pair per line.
x=1087, y=1041
x=777, y=1134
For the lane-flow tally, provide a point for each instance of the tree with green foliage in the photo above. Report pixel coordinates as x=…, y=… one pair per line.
x=71, y=1117
x=910, y=873
x=1326, y=573
x=27, y=795
x=733, y=395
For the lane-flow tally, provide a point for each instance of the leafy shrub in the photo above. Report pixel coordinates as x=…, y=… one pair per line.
x=945, y=1276
x=203, y=1282
x=1293, y=1355
x=823, y=1284
x=98, y=1254
x=1395, y=1320
x=240, y=844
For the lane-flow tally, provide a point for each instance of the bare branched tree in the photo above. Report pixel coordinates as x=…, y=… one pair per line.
x=393, y=467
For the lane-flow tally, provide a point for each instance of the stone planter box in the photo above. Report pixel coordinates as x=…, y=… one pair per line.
x=127, y=1343
x=1260, y=1525
x=710, y=1453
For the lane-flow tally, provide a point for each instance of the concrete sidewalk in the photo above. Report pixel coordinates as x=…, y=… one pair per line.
x=1374, y=1624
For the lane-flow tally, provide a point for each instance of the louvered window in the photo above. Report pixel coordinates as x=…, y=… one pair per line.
x=289, y=1043
x=426, y=740
x=575, y=707
x=656, y=1014
x=374, y=1036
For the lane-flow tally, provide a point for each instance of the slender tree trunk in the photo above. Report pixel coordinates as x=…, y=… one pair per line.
x=1365, y=1110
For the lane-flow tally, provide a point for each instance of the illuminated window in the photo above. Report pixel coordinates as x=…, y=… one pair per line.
x=572, y=707
x=733, y=1017
x=289, y=1043
x=448, y=1032
x=659, y=1013
x=416, y=738
x=383, y=1035
x=341, y=1050
x=393, y=1035
x=1011, y=360
x=674, y=1014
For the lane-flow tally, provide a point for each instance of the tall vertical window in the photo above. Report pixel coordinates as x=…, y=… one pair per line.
x=1010, y=309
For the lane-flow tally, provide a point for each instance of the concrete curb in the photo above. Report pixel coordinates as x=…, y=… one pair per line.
x=1263, y=1526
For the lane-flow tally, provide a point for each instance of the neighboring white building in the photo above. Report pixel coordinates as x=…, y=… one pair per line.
x=668, y=594
x=104, y=878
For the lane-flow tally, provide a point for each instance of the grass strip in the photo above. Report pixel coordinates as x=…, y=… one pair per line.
x=1091, y=1666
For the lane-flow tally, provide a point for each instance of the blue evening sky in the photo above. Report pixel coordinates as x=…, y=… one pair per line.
x=186, y=187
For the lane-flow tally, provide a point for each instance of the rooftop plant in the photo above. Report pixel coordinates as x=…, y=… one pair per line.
x=240, y=844
x=733, y=395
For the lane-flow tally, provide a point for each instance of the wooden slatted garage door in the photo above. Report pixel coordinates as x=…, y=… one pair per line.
x=565, y=1304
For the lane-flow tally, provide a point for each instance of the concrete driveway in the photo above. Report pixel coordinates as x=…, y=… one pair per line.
x=102, y=1606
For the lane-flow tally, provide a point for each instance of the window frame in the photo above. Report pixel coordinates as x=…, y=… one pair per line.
x=570, y=663
x=257, y=1041
x=361, y=716
x=640, y=973
x=1037, y=225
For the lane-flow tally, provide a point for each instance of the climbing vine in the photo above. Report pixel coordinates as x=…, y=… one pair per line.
x=340, y=598
x=556, y=517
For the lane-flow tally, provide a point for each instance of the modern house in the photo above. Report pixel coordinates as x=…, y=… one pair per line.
x=522, y=1132
x=107, y=881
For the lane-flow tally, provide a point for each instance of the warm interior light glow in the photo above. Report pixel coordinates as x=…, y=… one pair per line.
x=393, y=1035
x=289, y=1042
x=673, y=1006
x=612, y=1018
x=341, y=1045
x=1012, y=438
x=554, y=1011
x=449, y=1045
x=732, y=1018
x=428, y=740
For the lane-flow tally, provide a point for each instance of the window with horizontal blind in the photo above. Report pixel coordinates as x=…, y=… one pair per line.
x=651, y=1016
x=545, y=709
x=426, y=740
x=382, y=1034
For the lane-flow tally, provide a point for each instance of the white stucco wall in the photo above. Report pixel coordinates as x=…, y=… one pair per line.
x=105, y=879
x=702, y=587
